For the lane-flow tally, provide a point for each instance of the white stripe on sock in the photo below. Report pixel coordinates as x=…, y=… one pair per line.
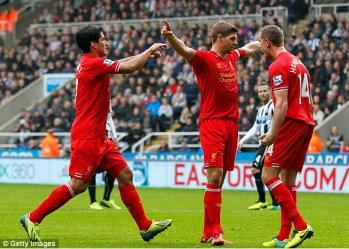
x=213, y=190
x=274, y=185
x=70, y=189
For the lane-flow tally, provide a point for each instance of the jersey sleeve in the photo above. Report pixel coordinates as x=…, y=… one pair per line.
x=104, y=66
x=278, y=78
x=239, y=53
x=198, y=60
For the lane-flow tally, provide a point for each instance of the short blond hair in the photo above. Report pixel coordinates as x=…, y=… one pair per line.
x=222, y=28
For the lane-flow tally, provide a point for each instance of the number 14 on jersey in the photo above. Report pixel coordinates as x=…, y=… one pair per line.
x=304, y=88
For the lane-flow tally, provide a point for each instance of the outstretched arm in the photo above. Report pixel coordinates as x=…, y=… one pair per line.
x=178, y=45
x=130, y=65
x=251, y=132
x=251, y=48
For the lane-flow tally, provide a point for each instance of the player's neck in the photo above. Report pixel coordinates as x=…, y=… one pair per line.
x=93, y=53
x=265, y=102
x=277, y=51
x=218, y=51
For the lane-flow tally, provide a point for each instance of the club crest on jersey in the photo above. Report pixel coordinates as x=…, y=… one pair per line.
x=107, y=62
x=277, y=80
x=213, y=157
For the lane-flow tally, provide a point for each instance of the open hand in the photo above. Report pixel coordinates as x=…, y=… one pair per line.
x=267, y=139
x=240, y=144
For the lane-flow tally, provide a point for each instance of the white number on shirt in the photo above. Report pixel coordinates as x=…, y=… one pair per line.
x=304, y=88
x=76, y=89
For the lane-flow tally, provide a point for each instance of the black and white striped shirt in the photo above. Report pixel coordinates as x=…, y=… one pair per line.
x=263, y=123
x=111, y=132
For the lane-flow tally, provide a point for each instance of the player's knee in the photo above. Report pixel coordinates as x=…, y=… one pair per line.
x=265, y=177
x=215, y=178
x=78, y=186
x=126, y=176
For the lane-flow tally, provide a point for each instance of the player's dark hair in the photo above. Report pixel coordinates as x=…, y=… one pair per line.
x=264, y=83
x=274, y=34
x=222, y=28
x=86, y=35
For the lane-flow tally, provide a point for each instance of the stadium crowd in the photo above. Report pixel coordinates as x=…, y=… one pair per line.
x=166, y=91
x=98, y=10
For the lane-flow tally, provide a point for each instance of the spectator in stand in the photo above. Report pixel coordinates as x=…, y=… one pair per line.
x=153, y=106
x=50, y=145
x=184, y=146
x=335, y=141
x=179, y=101
x=137, y=116
x=318, y=114
x=164, y=146
x=147, y=121
x=165, y=115
x=340, y=101
x=330, y=101
x=191, y=91
x=124, y=127
x=137, y=132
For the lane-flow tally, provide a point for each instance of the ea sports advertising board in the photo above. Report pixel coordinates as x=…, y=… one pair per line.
x=321, y=173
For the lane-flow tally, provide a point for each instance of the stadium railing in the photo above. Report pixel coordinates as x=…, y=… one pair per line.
x=64, y=136
x=173, y=141
x=265, y=12
x=318, y=9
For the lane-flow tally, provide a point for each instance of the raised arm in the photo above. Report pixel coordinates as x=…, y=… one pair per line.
x=178, y=45
x=251, y=48
x=134, y=63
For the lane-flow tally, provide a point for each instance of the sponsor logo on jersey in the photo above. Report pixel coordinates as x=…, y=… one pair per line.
x=107, y=62
x=277, y=80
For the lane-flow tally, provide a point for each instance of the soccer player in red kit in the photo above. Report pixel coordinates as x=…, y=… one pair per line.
x=92, y=151
x=218, y=85
x=290, y=135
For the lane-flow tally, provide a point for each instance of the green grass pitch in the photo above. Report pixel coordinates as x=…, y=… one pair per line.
x=75, y=225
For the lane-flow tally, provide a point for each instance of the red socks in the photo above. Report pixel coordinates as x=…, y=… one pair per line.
x=131, y=200
x=55, y=200
x=286, y=222
x=213, y=203
x=207, y=224
x=284, y=197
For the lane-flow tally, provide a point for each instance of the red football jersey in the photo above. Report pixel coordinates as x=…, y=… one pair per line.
x=92, y=96
x=287, y=72
x=218, y=84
